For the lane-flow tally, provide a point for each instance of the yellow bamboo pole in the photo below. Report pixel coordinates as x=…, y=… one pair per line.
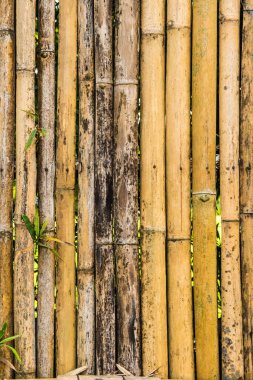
x=126, y=183
x=246, y=188
x=105, y=297
x=180, y=311
x=204, y=87
x=65, y=188
x=46, y=182
x=229, y=65
x=153, y=221
x=85, y=270
x=7, y=116
x=24, y=322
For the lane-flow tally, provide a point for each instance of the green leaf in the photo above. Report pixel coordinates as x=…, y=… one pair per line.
x=30, y=139
x=51, y=238
x=9, y=339
x=43, y=227
x=36, y=223
x=51, y=249
x=3, y=330
x=29, y=227
x=15, y=353
x=32, y=114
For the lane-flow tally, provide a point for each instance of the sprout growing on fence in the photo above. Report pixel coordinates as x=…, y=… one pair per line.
x=4, y=343
x=38, y=235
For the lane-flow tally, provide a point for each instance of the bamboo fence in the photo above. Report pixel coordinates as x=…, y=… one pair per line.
x=126, y=138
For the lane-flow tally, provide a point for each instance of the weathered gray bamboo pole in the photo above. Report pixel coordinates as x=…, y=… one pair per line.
x=229, y=83
x=204, y=92
x=246, y=186
x=7, y=117
x=126, y=183
x=153, y=218
x=105, y=300
x=178, y=180
x=24, y=322
x=85, y=271
x=46, y=182
x=65, y=188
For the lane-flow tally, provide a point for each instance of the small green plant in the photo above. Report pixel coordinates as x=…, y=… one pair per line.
x=4, y=343
x=38, y=235
x=37, y=132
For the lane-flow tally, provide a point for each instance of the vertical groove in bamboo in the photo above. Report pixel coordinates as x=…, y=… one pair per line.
x=85, y=271
x=65, y=188
x=229, y=82
x=24, y=322
x=153, y=220
x=246, y=187
x=126, y=183
x=104, y=257
x=46, y=182
x=7, y=117
x=180, y=318
x=204, y=88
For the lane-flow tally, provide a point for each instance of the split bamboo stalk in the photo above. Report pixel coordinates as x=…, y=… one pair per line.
x=86, y=291
x=229, y=76
x=204, y=186
x=7, y=117
x=180, y=312
x=153, y=219
x=24, y=322
x=246, y=188
x=104, y=260
x=65, y=188
x=126, y=183
x=46, y=182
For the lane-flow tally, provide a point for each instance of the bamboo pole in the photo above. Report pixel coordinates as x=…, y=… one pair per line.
x=24, y=323
x=246, y=188
x=104, y=260
x=180, y=317
x=46, y=181
x=65, y=188
x=126, y=183
x=229, y=65
x=204, y=186
x=7, y=116
x=86, y=291
x=153, y=223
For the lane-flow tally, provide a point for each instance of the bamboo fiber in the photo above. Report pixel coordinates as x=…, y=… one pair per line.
x=7, y=104
x=24, y=323
x=126, y=183
x=105, y=300
x=85, y=272
x=229, y=64
x=46, y=181
x=153, y=221
x=204, y=187
x=180, y=313
x=65, y=188
x=246, y=188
